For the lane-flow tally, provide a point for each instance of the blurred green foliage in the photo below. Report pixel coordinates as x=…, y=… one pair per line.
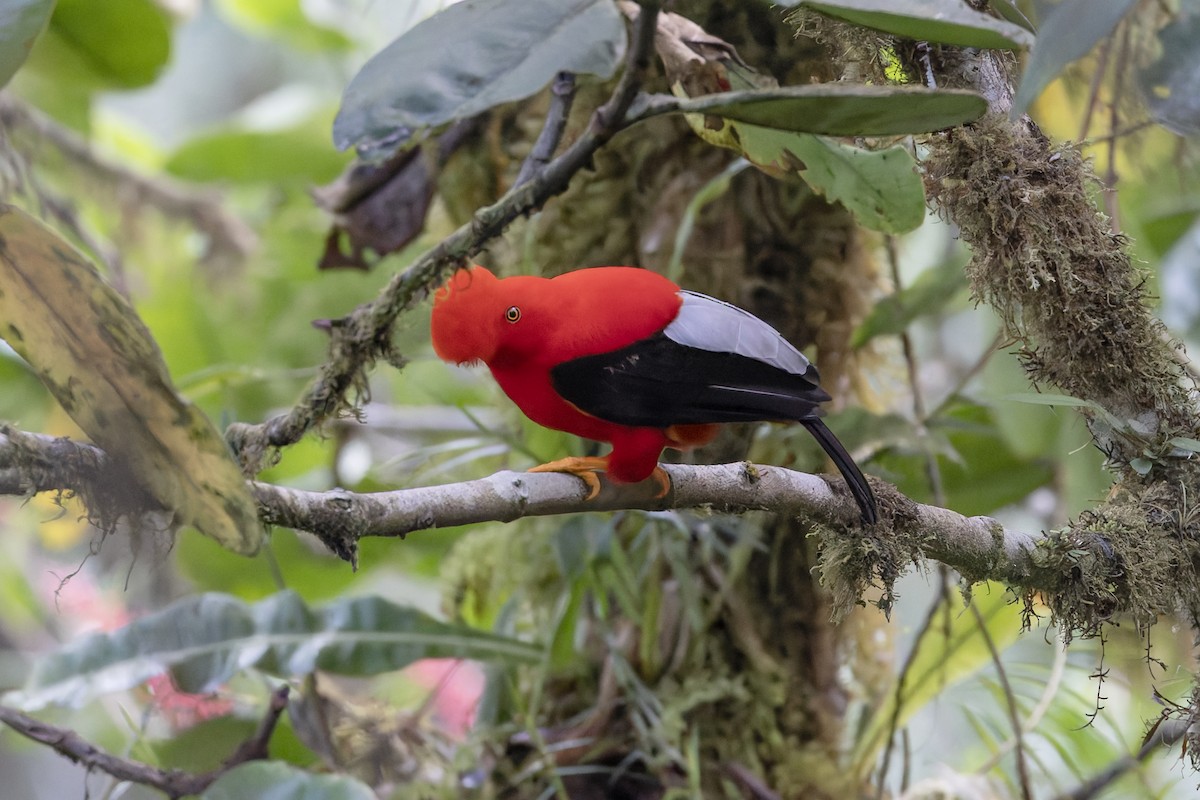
x=237, y=335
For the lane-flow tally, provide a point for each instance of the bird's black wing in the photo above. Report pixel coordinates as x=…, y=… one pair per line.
x=658, y=382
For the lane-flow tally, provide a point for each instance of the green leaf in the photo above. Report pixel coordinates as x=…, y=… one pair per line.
x=274, y=780
x=713, y=189
x=98, y=359
x=1047, y=399
x=1069, y=31
x=950, y=650
x=21, y=22
x=298, y=155
x=120, y=44
x=1161, y=230
x=206, y=639
x=1007, y=9
x=200, y=747
x=1171, y=85
x=1050, y=399
x=286, y=20
x=1185, y=443
x=1141, y=466
x=881, y=188
x=469, y=58
x=928, y=294
x=839, y=109
x=980, y=470
x=941, y=21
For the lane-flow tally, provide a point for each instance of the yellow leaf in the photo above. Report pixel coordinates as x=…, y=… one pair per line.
x=89, y=347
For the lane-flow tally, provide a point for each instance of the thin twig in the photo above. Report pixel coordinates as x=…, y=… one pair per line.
x=969, y=375
x=1114, y=119
x=358, y=340
x=933, y=470
x=1049, y=693
x=1094, y=89
x=1014, y=713
x=172, y=782
x=1093, y=787
x=901, y=687
x=562, y=97
x=933, y=473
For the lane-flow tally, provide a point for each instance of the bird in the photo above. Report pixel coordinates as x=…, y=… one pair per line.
x=623, y=355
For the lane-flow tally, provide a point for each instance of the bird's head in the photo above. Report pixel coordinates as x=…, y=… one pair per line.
x=467, y=317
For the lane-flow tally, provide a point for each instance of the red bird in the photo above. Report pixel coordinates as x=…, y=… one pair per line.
x=623, y=355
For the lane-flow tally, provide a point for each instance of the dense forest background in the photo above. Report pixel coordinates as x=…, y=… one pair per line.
x=223, y=222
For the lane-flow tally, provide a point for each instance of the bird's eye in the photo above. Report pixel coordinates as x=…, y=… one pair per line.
x=513, y=314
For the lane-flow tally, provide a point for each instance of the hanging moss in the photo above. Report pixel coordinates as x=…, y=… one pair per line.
x=1133, y=557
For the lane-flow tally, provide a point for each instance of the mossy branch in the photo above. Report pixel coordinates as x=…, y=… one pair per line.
x=1061, y=280
x=1069, y=295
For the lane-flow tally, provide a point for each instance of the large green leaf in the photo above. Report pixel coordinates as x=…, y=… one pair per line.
x=116, y=44
x=296, y=155
x=90, y=47
x=836, y=109
x=469, y=58
x=941, y=21
x=206, y=639
x=284, y=19
x=274, y=780
x=21, y=22
x=880, y=187
x=1069, y=31
x=1171, y=85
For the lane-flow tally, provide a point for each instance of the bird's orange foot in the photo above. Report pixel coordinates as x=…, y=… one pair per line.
x=583, y=467
x=663, y=480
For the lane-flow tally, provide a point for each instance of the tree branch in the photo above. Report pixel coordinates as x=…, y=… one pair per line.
x=1069, y=294
x=973, y=545
x=172, y=782
x=364, y=336
x=562, y=97
x=978, y=547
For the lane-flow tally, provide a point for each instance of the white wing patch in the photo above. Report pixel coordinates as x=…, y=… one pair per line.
x=710, y=324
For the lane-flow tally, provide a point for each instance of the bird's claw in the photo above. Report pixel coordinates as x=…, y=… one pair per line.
x=584, y=468
x=663, y=480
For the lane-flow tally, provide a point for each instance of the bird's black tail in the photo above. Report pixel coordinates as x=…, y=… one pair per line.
x=845, y=464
